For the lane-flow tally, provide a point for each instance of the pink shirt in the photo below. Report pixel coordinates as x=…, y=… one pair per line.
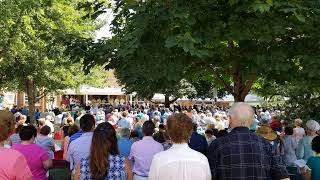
x=141, y=155
x=35, y=156
x=13, y=165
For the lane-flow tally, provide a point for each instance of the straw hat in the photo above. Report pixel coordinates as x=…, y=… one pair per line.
x=267, y=133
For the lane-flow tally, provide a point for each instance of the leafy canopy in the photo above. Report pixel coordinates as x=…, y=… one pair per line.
x=232, y=44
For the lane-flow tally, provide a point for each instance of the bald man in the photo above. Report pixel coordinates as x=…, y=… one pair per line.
x=241, y=154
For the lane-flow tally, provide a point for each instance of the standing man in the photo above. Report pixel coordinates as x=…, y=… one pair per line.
x=142, y=152
x=80, y=147
x=180, y=161
x=241, y=154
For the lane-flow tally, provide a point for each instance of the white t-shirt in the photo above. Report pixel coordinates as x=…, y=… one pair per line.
x=180, y=162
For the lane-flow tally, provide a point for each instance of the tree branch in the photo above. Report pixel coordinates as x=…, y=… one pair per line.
x=220, y=79
x=249, y=84
x=173, y=100
x=42, y=95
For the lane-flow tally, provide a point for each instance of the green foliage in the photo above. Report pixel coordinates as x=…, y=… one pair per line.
x=302, y=93
x=34, y=39
x=234, y=45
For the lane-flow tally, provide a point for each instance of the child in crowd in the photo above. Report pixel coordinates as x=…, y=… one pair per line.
x=45, y=141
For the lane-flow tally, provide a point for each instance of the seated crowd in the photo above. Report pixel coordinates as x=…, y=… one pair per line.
x=170, y=146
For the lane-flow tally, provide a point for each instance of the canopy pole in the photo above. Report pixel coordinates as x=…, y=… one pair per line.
x=86, y=99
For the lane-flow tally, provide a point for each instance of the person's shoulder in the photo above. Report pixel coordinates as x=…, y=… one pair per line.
x=157, y=143
x=199, y=156
x=160, y=156
x=313, y=159
x=11, y=153
x=135, y=144
x=16, y=146
x=37, y=147
x=76, y=135
x=74, y=141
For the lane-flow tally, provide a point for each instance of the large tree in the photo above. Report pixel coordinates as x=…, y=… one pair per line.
x=233, y=42
x=33, y=40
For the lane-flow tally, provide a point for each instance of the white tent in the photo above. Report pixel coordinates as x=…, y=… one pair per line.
x=87, y=90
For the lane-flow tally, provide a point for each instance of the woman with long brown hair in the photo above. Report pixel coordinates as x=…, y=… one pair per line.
x=104, y=161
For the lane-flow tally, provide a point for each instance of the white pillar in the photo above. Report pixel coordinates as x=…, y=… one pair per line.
x=86, y=99
x=130, y=99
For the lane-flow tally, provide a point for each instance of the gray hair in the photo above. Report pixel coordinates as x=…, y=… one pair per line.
x=124, y=132
x=156, y=118
x=242, y=113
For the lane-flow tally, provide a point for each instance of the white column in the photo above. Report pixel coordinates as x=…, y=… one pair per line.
x=130, y=99
x=86, y=99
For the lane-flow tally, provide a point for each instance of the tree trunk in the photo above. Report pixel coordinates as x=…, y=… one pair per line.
x=239, y=98
x=167, y=101
x=241, y=87
x=31, y=92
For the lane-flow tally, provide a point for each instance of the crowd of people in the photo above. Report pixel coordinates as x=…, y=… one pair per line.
x=140, y=143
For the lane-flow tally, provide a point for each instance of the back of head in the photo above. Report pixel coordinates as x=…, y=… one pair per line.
x=156, y=118
x=312, y=126
x=73, y=129
x=45, y=130
x=125, y=114
x=124, y=132
x=134, y=134
x=18, y=128
x=148, y=128
x=7, y=122
x=209, y=132
x=241, y=115
x=87, y=122
x=161, y=126
x=316, y=144
x=298, y=122
x=104, y=143
x=180, y=128
x=288, y=131
x=42, y=122
x=222, y=133
x=215, y=132
x=23, y=117
x=28, y=132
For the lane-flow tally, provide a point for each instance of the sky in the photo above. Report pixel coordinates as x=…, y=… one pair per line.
x=104, y=32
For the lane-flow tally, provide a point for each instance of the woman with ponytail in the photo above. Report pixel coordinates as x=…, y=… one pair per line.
x=104, y=162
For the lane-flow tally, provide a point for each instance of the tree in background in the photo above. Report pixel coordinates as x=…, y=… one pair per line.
x=234, y=43
x=301, y=93
x=34, y=37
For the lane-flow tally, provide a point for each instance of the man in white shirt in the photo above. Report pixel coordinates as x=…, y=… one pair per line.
x=180, y=161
